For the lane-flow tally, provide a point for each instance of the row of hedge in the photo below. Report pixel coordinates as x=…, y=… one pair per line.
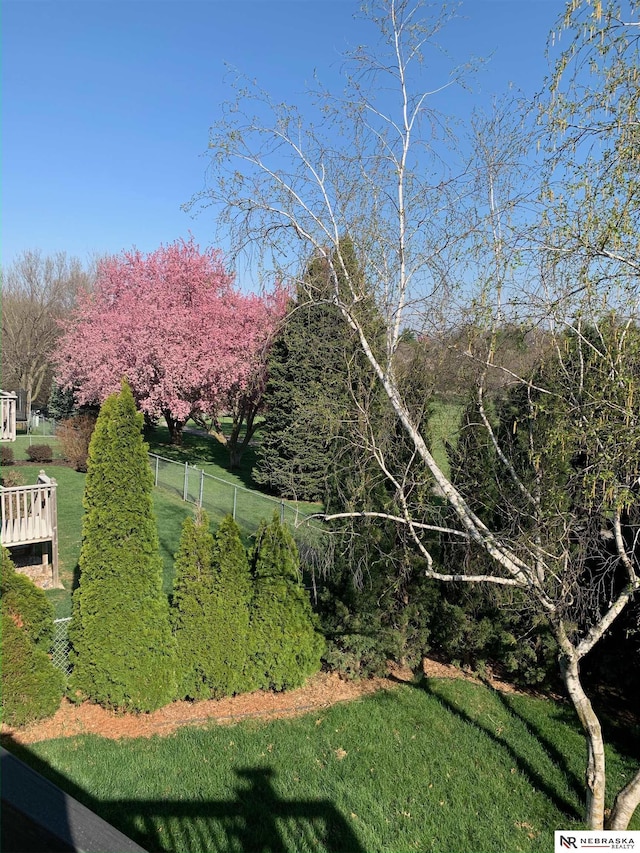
x=237, y=620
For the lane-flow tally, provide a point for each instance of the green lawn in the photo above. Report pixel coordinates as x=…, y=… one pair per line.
x=443, y=766
x=207, y=451
x=444, y=424
x=22, y=442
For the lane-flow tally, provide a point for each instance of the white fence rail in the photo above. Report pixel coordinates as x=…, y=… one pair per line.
x=29, y=515
x=29, y=512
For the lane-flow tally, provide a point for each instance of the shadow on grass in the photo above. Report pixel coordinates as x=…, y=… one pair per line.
x=524, y=764
x=255, y=820
x=201, y=448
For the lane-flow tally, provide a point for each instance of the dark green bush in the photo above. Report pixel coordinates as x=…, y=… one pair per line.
x=7, y=455
x=27, y=602
x=233, y=589
x=210, y=613
x=40, y=453
x=193, y=630
x=123, y=651
x=31, y=686
x=285, y=642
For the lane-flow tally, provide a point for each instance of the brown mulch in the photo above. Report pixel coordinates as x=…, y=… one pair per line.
x=320, y=691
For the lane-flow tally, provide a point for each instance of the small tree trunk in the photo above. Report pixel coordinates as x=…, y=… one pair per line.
x=625, y=804
x=175, y=429
x=595, y=777
x=235, y=455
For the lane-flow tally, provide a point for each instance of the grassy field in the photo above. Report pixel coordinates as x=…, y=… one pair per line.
x=440, y=766
x=170, y=512
x=22, y=442
x=443, y=426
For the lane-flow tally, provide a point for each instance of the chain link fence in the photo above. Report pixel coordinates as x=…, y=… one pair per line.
x=220, y=497
x=60, y=645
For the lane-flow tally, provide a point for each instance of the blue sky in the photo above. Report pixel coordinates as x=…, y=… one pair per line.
x=106, y=104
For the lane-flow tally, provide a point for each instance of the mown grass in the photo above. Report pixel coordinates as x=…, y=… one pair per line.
x=443, y=766
x=22, y=442
x=208, y=454
x=443, y=426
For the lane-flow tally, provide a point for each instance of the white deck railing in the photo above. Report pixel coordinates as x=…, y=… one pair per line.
x=7, y=416
x=29, y=515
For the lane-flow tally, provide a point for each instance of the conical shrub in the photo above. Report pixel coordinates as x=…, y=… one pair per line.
x=210, y=613
x=123, y=652
x=285, y=642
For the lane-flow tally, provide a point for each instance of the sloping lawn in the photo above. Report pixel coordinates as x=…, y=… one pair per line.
x=443, y=766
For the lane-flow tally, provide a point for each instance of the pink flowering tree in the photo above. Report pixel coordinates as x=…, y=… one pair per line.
x=171, y=322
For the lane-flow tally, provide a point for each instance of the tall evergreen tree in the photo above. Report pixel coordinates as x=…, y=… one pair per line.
x=233, y=589
x=285, y=643
x=313, y=369
x=193, y=630
x=123, y=651
x=210, y=613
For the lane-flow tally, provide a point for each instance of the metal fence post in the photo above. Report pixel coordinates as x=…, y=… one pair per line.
x=201, y=488
x=185, y=491
x=157, y=462
x=235, y=501
x=281, y=512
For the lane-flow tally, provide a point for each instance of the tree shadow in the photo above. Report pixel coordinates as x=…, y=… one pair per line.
x=524, y=764
x=197, y=447
x=255, y=820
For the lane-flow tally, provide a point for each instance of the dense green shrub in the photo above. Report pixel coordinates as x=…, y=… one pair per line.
x=40, y=453
x=233, y=591
x=385, y=615
x=21, y=596
x=285, y=642
x=31, y=686
x=123, y=651
x=193, y=629
x=210, y=613
x=7, y=455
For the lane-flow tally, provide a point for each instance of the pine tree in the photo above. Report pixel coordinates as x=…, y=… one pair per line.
x=123, y=652
x=31, y=685
x=211, y=609
x=314, y=374
x=62, y=404
x=285, y=642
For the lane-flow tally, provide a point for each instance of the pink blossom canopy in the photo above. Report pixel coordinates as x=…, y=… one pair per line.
x=173, y=325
